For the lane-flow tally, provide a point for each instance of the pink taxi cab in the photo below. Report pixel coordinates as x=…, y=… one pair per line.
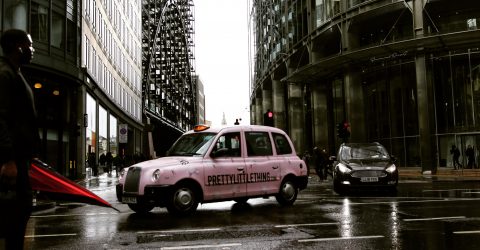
x=216, y=164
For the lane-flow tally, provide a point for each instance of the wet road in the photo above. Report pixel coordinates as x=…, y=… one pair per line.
x=423, y=214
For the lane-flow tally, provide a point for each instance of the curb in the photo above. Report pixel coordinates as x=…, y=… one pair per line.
x=42, y=205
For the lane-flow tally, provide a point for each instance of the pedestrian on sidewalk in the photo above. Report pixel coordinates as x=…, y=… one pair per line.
x=109, y=161
x=92, y=163
x=102, y=161
x=455, y=155
x=321, y=162
x=470, y=153
x=19, y=138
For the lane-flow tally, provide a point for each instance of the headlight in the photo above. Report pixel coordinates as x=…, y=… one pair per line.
x=156, y=175
x=344, y=169
x=391, y=168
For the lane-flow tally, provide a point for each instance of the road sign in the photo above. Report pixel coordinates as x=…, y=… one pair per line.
x=122, y=133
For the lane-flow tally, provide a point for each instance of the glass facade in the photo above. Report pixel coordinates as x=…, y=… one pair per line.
x=457, y=102
x=407, y=78
x=113, y=136
x=102, y=131
x=15, y=14
x=91, y=128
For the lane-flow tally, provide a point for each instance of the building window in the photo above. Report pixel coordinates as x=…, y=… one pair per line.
x=57, y=35
x=102, y=131
x=39, y=29
x=113, y=135
x=15, y=14
x=91, y=116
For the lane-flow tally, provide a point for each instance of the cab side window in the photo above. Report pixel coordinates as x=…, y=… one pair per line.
x=281, y=144
x=258, y=144
x=228, y=145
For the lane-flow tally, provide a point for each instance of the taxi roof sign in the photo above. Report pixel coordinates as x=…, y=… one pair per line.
x=201, y=127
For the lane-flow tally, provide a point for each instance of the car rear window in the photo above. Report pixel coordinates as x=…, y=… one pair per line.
x=281, y=144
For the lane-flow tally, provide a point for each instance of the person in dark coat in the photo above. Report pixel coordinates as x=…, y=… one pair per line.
x=321, y=162
x=19, y=136
x=470, y=153
x=108, y=161
x=102, y=161
x=455, y=152
x=92, y=163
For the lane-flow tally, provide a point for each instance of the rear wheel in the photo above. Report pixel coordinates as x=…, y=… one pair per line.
x=288, y=193
x=183, y=200
x=141, y=207
x=241, y=200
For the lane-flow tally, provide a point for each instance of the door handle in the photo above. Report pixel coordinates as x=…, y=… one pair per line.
x=275, y=167
x=240, y=169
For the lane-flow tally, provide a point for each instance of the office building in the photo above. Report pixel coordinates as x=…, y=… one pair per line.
x=403, y=73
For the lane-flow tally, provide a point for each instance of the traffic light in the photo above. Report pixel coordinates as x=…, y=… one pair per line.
x=340, y=130
x=268, y=118
x=346, y=130
x=78, y=130
x=343, y=130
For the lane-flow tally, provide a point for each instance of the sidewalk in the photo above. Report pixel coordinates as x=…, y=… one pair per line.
x=441, y=174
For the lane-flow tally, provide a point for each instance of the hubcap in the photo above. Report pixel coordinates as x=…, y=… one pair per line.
x=183, y=198
x=288, y=190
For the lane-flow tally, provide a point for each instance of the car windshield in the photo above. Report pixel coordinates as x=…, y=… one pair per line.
x=195, y=144
x=363, y=152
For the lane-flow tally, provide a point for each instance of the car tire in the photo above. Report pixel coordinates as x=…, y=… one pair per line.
x=183, y=201
x=288, y=193
x=141, y=208
x=338, y=188
x=241, y=200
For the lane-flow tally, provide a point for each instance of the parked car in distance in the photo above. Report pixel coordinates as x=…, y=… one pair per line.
x=364, y=165
x=216, y=164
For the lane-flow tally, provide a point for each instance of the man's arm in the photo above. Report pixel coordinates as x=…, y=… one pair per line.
x=6, y=140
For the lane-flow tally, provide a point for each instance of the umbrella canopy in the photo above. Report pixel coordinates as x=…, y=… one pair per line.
x=56, y=186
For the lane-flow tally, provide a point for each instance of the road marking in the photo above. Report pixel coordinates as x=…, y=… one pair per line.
x=308, y=224
x=417, y=201
x=436, y=218
x=467, y=232
x=68, y=215
x=203, y=246
x=343, y=238
x=48, y=235
x=447, y=190
x=180, y=231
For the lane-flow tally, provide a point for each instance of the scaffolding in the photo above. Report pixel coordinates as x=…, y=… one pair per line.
x=168, y=84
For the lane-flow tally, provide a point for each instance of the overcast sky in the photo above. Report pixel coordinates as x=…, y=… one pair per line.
x=221, y=57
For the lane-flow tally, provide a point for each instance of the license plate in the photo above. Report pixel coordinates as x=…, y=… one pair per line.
x=127, y=199
x=369, y=179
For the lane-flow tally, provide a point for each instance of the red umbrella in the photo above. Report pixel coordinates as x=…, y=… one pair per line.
x=46, y=180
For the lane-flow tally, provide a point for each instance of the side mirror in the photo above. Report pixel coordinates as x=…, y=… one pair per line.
x=394, y=159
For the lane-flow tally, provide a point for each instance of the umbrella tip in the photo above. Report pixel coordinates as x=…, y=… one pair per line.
x=115, y=209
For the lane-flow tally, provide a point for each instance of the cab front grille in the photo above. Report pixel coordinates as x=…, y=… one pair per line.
x=132, y=180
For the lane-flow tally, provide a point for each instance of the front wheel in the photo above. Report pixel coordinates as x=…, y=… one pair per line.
x=338, y=188
x=287, y=194
x=183, y=201
x=141, y=208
